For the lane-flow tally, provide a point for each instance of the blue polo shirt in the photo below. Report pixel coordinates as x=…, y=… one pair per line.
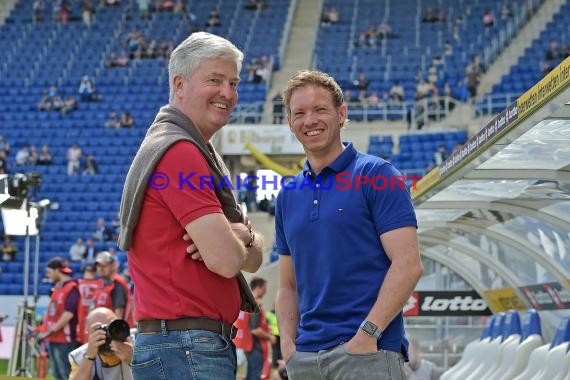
x=330, y=224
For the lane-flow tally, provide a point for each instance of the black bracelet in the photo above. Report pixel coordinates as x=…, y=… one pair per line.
x=89, y=357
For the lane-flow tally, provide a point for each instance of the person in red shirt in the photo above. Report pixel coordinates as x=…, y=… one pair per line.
x=114, y=293
x=60, y=323
x=88, y=286
x=187, y=297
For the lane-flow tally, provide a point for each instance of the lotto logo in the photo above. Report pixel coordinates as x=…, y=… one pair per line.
x=412, y=307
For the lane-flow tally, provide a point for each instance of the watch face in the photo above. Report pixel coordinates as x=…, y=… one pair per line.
x=369, y=328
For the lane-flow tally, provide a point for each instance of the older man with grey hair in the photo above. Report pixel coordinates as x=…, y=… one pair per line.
x=187, y=239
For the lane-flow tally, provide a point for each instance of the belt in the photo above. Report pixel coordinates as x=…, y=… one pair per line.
x=155, y=325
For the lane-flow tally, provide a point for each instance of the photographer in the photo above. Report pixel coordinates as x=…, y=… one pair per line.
x=101, y=357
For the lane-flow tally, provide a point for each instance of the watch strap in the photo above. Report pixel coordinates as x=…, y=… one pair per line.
x=371, y=329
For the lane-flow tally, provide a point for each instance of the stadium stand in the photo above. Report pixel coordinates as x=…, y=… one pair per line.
x=418, y=46
x=48, y=53
x=416, y=151
x=532, y=66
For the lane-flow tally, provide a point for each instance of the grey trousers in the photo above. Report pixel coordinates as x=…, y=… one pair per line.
x=337, y=364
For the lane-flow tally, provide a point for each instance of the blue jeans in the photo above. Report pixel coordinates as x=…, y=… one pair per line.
x=189, y=354
x=254, y=364
x=59, y=363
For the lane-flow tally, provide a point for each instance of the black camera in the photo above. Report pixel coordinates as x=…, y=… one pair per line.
x=117, y=330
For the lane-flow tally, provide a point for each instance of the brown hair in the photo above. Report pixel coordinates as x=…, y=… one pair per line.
x=316, y=78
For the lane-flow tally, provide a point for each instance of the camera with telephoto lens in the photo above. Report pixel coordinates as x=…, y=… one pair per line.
x=117, y=330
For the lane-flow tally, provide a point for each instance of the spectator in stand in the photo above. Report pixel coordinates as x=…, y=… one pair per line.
x=87, y=91
x=77, y=250
x=23, y=155
x=65, y=10
x=488, y=19
x=112, y=61
x=180, y=8
x=447, y=48
x=373, y=100
x=4, y=146
x=214, y=19
x=372, y=35
x=45, y=156
x=169, y=50
x=506, y=10
x=253, y=5
x=33, y=157
x=113, y=121
x=440, y=155
x=428, y=15
x=8, y=249
x=325, y=20
x=37, y=11
x=553, y=52
x=102, y=232
x=90, y=166
x=116, y=227
x=166, y=6
x=445, y=103
x=87, y=12
x=334, y=16
x=545, y=68
x=396, y=92
x=45, y=104
x=423, y=90
x=56, y=11
x=127, y=120
x=68, y=105
x=252, y=76
x=362, y=85
x=565, y=52
x=150, y=51
x=143, y=9
x=74, y=154
x=134, y=41
x=262, y=70
x=348, y=97
x=384, y=29
x=3, y=163
x=472, y=80
x=440, y=17
x=90, y=251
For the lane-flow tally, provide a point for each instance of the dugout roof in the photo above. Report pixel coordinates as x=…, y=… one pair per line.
x=497, y=212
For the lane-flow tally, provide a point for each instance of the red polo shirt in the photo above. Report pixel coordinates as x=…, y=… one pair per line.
x=168, y=283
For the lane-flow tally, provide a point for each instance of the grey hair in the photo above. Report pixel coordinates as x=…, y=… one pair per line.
x=200, y=46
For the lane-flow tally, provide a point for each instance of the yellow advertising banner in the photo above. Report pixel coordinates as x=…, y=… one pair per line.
x=543, y=90
x=425, y=183
x=503, y=299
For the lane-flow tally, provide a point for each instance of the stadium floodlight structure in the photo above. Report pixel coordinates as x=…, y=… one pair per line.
x=22, y=217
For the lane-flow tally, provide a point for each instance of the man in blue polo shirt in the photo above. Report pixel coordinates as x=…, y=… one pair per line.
x=349, y=256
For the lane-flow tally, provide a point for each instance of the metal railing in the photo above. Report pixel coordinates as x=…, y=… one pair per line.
x=418, y=113
x=492, y=103
x=250, y=113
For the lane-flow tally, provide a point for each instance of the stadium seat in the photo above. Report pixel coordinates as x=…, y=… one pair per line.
x=515, y=356
x=536, y=364
x=471, y=350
